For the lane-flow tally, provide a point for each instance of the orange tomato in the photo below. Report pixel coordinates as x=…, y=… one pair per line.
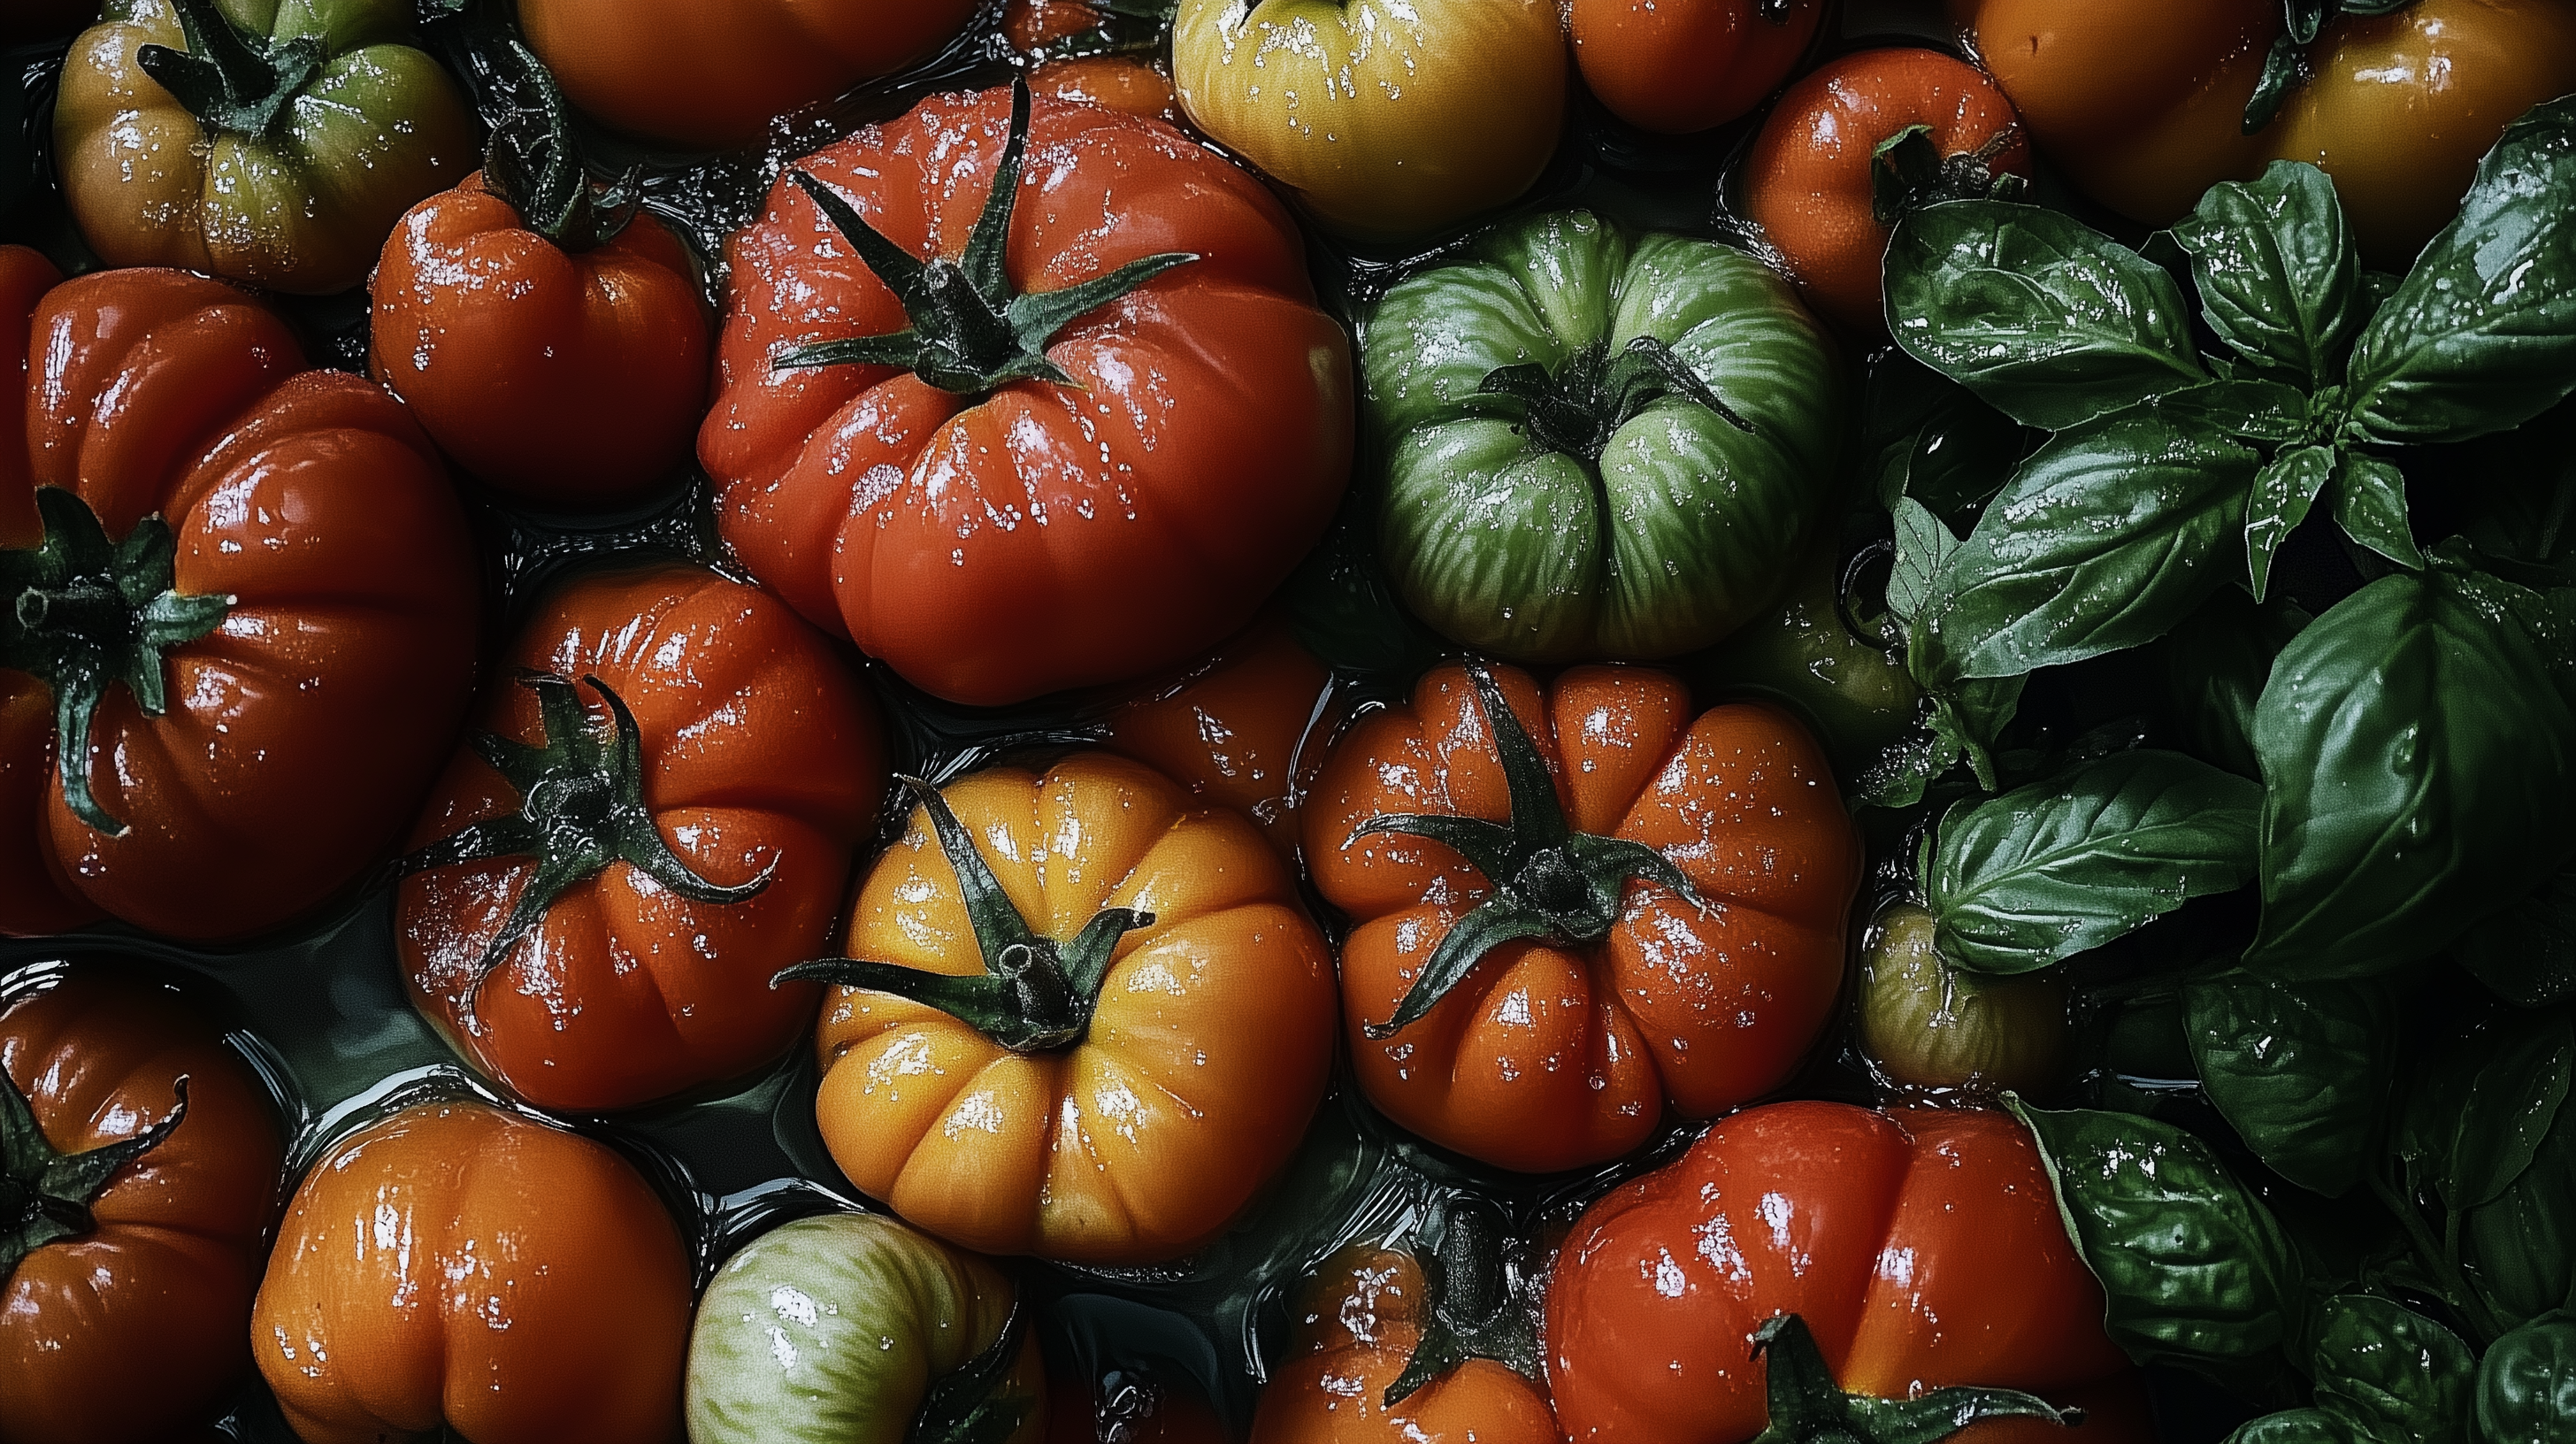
x=456, y=1266
x=1246, y=727
x=1151, y=1017
x=1683, y=65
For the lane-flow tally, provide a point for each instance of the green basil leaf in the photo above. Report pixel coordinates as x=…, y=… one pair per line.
x=2527, y=1384
x=2059, y=867
x=2512, y=1102
x=2216, y=662
x=2526, y=954
x=1901, y=774
x=1969, y=717
x=2194, y=1269
x=2278, y=277
x=2300, y=1069
x=2294, y=1426
x=2050, y=321
x=2418, y=765
x=2481, y=335
x=2370, y=506
x=2518, y=1249
x=2396, y=1376
x=2283, y=492
x=2249, y=409
x=1922, y=545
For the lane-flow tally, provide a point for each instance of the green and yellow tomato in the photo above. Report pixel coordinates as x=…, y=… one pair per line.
x=1597, y=445
x=1927, y=1024
x=1855, y=697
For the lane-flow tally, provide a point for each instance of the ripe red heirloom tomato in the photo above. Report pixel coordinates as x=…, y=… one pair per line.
x=659, y=816
x=462, y=1267
x=138, y=1169
x=1109, y=56
x=239, y=616
x=1246, y=727
x=1070, y=436
x=1683, y=65
x=1575, y=906
x=1919, y=1250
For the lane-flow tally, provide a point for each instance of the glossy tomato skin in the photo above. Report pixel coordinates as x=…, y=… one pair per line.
x=566, y=380
x=1203, y=1062
x=134, y=1330
x=1136, y=83
x=303, y=729
x=457, y=1264
x=759, y=746
x=708, y=74
x=1922, y=1248
x=1549, y=1057
x=1041, y=538
x=1355, y=1330
x=1807, y=182
x=1679, y=67
x=1246, y=727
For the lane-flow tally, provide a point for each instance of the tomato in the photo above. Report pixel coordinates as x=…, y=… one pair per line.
x=1854, y=146
x=1144, y=1029
x=839, y=1330
x=304, y=644
x=2143, y=103
x=459, y=1266
x=709, y=74
x=1387, y=119
x=1108, y=57
x=1597, y=444
x=556, y=349
x=689, y=770
x=1926, y=1024
x=1575, y=906
x=1857, y=699
x=1246, y=727
x=1139, y=1408
x=960, y=509
x=1891, y=1235
x=281, y=155
x=141, y=1167
x=1683, y=65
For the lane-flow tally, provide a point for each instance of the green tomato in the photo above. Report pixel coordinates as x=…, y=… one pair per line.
x=1925, y=1024
x=1597, y=445
x=2527, y=1384
x=839, y=1329
x=1857, y=698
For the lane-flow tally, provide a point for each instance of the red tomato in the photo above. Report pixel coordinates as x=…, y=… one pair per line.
x=130, y=1328
x=1245, y=727
x=1016, y=536
x=313, y=591
x=1683, y=65
x=1922, y=1248
x=1812, y=186
x=1103, y=59
x=561, y=966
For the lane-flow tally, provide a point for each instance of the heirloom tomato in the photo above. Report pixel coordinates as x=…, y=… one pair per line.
x=1597, y=445
x=1387, y=119
x=457, y=1267
x=2147, y=103
x=1857, y=699
x=138, y=1169
x=553, y=341
x=1927, y=1024
x=1020, y=433
x=1095, y=1021
x=659, y=816
x=261, y=141
x=1245, y=727
x=1105, y=54
x=1921, y=1250
x=1857, y=144
x=1685, y=65
x=712, y=73
x=1575, y=906
x=851, y=1328
x=240, y=629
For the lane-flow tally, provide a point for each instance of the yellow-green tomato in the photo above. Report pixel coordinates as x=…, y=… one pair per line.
x=1387, y=118
x=832, y=1330
x=1857, y=698
x=1926, y=1024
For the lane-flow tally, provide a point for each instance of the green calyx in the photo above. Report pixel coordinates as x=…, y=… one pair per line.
x=532, y=163
x=1035, y=994
x=2287, y=67
x=78, y=612
x=1576, y=409
x=1908, y=172
x=581, y=807
x=1469, y=1311
x=969, y=1405
x=1127, y=27
x=228, y=79
x=970, y=332
x=45, y=1195
x=1550, y=881
x=1808, y=1407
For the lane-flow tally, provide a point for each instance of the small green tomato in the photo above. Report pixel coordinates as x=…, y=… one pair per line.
x=1927, y=1024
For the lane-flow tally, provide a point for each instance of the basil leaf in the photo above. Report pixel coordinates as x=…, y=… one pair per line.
x=2481, y=335
x=2048, y=320
x=2277, y=273
x=2518, y=1249
x=2300, y=1070
x=1970, y=717
x=2194, y=1270
x=2526, y=1390
x=1922, y=545
x=2526, y=954
x=2396, y=1376
x=2283, y=492
x=2059, y=867
x=2216, y=663
x=2294, y=1426
x=2248, y=409
x=2511, y=1102
x=2418, y=764
x=2370, y=506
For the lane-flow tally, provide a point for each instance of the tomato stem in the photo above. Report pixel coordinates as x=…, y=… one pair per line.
x=1577, y=408
x=228, y=79
x=533, y=164
x=1809, y=1407
x=45, y=1196
x=1908, y=172
x=971, y=1403
x=1469, y=1312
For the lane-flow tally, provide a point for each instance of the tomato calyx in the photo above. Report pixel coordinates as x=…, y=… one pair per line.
x=228, y=79
x=971, y=333
x=533, y=165
x=968, y=1404
x=2287, y=67
x=1808, y=1407
x=1035, y=994
x=1577, y=409
x=78, y=612
x=1469, y=1311
x=581, y=807
x=45, y=1195
x=1908, y=172
x=1549, y=881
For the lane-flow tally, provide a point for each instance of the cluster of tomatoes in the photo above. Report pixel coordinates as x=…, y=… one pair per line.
x=1024, y=394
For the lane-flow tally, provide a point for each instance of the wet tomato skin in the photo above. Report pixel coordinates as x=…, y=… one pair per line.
x=1677, y=66
x=1246, y=726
